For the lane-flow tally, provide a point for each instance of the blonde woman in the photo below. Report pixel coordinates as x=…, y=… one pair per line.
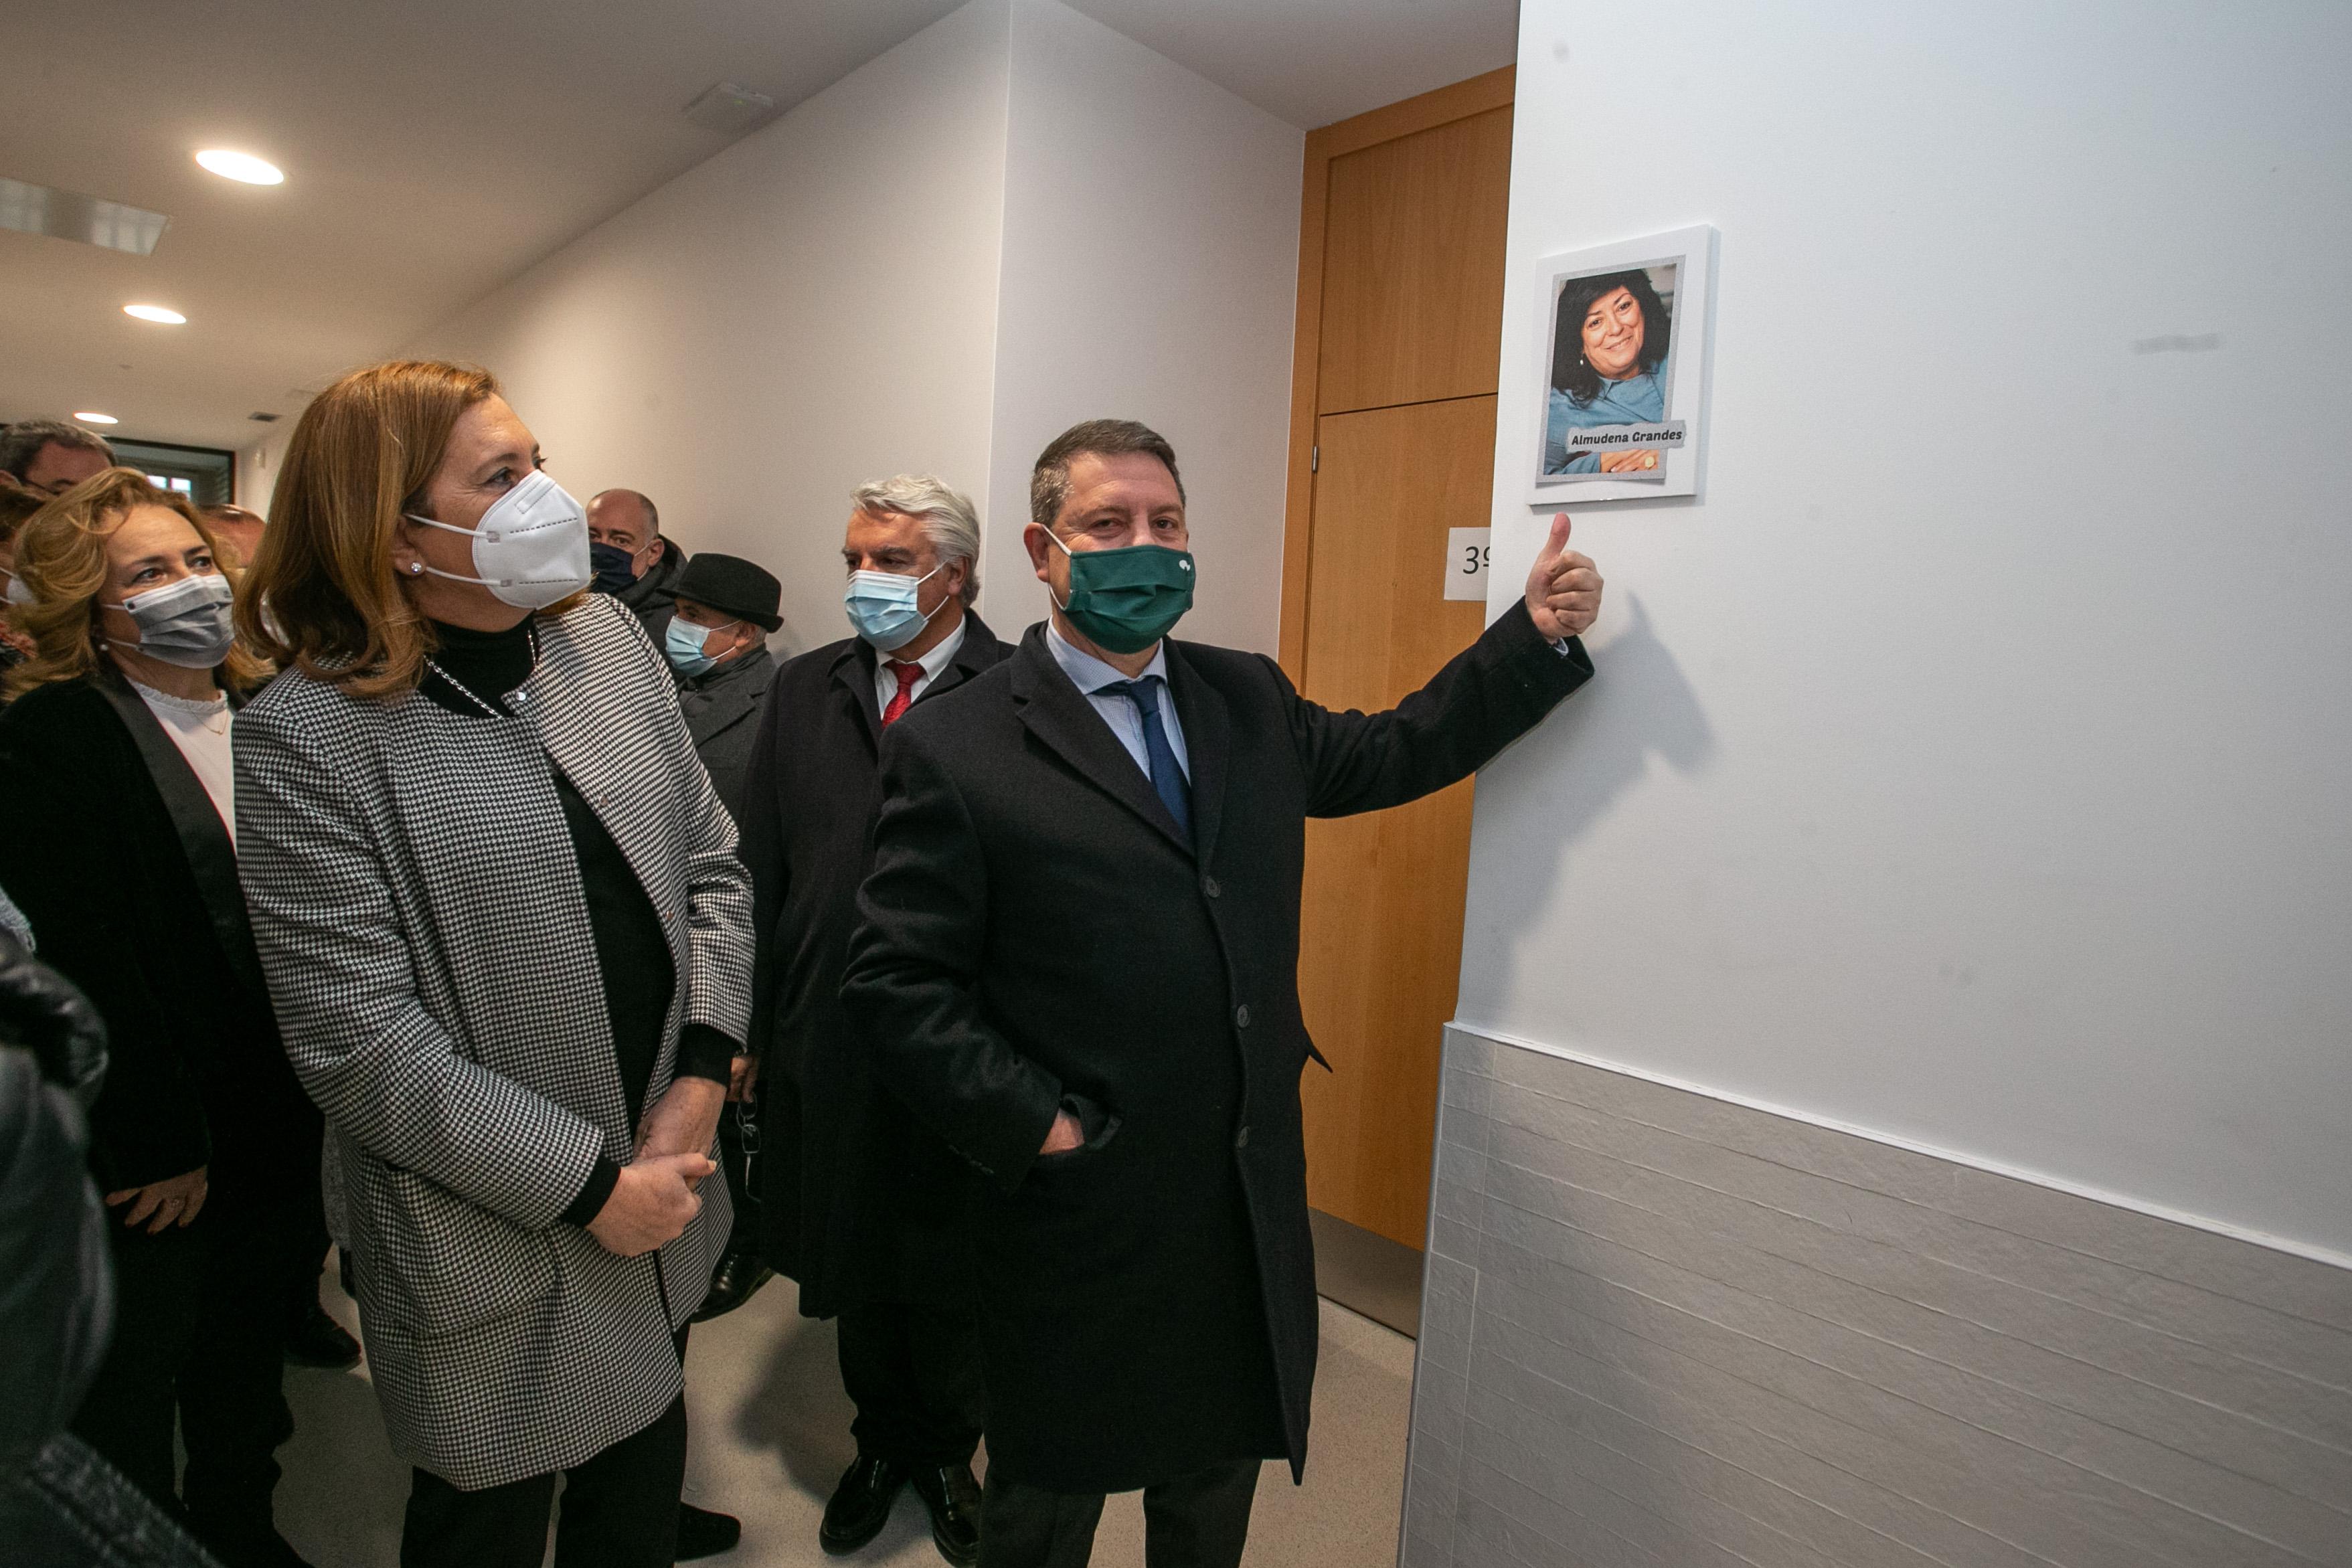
x=510, y=942
x=121, y=851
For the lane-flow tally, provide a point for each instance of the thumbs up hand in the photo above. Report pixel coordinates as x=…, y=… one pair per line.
x=1563, y=590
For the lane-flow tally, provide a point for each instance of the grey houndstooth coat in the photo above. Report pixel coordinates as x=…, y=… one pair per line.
x=418, y=909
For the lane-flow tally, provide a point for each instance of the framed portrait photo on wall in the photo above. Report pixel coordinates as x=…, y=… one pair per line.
x=1624, y=357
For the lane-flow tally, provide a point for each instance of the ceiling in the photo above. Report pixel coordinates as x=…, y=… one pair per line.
x=435, y=149
x=1311, y=62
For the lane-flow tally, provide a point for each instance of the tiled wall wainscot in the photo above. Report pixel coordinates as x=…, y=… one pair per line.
x=1660, y=1330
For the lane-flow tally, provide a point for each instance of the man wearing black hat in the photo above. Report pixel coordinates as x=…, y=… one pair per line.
x=718, y=643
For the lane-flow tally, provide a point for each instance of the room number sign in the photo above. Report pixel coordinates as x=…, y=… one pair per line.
x=1466, y=563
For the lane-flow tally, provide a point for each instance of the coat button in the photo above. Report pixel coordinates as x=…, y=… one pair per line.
x=1241, y=1139
x=1241, y=1016
x=1209, y=885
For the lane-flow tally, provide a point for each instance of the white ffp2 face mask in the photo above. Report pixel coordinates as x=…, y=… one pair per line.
x=531, y=546
x=184, y=622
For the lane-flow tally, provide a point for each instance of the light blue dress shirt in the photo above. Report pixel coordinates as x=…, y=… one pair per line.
x=1090, y=675
x=1636, y=400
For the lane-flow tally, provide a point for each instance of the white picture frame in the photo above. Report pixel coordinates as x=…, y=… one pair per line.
x=1616, y=418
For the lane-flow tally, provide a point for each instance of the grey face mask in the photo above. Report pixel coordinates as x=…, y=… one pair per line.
x=184, y=622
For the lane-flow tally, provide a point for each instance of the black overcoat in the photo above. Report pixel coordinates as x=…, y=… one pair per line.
x=856, y=1196
x=122, y=867
x=722, y=713
x=1035, y=927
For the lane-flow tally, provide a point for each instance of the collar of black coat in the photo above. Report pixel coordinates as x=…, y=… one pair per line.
x=1054, y=710
x=661, y=580
x=204, y=837
x=853, y=668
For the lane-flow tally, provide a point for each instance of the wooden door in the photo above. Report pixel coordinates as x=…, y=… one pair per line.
x=1400, y=322
x=1381, y=939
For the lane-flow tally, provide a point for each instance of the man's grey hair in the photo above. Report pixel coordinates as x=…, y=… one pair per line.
x=24, y=440
x=950, y=522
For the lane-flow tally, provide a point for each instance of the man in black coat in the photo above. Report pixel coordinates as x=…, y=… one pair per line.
x=856, y=1196
x=1078, y=962
x=634, y=561
x=718, y=643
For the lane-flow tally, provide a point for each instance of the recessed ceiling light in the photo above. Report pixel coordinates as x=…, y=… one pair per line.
x=156, y=313
x=242, y=166
x=89, y=416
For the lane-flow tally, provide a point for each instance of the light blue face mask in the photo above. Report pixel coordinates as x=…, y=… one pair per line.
x=684, y=642
x=882, y=607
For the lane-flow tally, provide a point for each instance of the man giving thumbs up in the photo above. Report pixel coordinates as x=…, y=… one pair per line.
x=1079, y=966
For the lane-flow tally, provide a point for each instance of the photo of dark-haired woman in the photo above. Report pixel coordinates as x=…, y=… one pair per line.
x=1609, y=368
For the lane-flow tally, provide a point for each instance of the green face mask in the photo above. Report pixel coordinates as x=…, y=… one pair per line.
x=1126, y=600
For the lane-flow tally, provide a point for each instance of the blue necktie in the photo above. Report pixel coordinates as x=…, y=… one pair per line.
x=1166, y=776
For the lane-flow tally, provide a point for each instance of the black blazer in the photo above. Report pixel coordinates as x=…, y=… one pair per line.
x=1036, y=927
x=851, y=1187
x=122, y=867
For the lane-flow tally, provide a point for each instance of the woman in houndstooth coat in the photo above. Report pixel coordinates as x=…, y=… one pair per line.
x=507, y=939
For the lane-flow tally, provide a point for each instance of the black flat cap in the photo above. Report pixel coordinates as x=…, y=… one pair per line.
x=734, y=585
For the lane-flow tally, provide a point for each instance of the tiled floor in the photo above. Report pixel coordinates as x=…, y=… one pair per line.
x=772, y=1435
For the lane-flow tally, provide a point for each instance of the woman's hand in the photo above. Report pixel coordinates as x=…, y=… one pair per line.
x=652, y=1204
x=175, y=1200
x=686, y=1122
x=1642, y=461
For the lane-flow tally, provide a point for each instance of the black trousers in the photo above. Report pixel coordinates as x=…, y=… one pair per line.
x=307, y=1246
x=913, y=1373
x=620, y=1510
x=1199, y=1520
x=196, y=1337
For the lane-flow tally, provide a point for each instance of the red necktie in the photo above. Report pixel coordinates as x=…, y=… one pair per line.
x=908, y=675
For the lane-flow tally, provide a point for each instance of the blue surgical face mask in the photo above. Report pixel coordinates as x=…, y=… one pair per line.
x=684, y=642
x=882, y=607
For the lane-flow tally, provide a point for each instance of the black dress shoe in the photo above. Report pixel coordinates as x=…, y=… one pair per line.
x=738, y=1274
x=319, y=1341
x=702, y=1533
x=860, y=1505
x=953, y=1498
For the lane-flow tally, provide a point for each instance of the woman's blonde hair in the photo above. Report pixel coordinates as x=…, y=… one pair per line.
x=61, y=556
x=323, y=596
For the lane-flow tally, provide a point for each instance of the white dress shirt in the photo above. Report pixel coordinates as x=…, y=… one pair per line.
x=886, y=679
x=1090, y=675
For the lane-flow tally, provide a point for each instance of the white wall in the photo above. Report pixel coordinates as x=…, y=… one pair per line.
x=1151, y=273
x=1971, y=762
x=812, y=308
x=1016, y=220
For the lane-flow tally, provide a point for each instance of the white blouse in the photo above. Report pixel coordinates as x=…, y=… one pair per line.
x=199, y=729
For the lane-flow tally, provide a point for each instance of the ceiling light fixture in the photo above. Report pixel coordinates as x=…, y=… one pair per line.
x=241, y=166
x=89, y=416
x=156, y=313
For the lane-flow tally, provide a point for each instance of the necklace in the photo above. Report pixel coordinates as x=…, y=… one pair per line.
x=463, y=690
